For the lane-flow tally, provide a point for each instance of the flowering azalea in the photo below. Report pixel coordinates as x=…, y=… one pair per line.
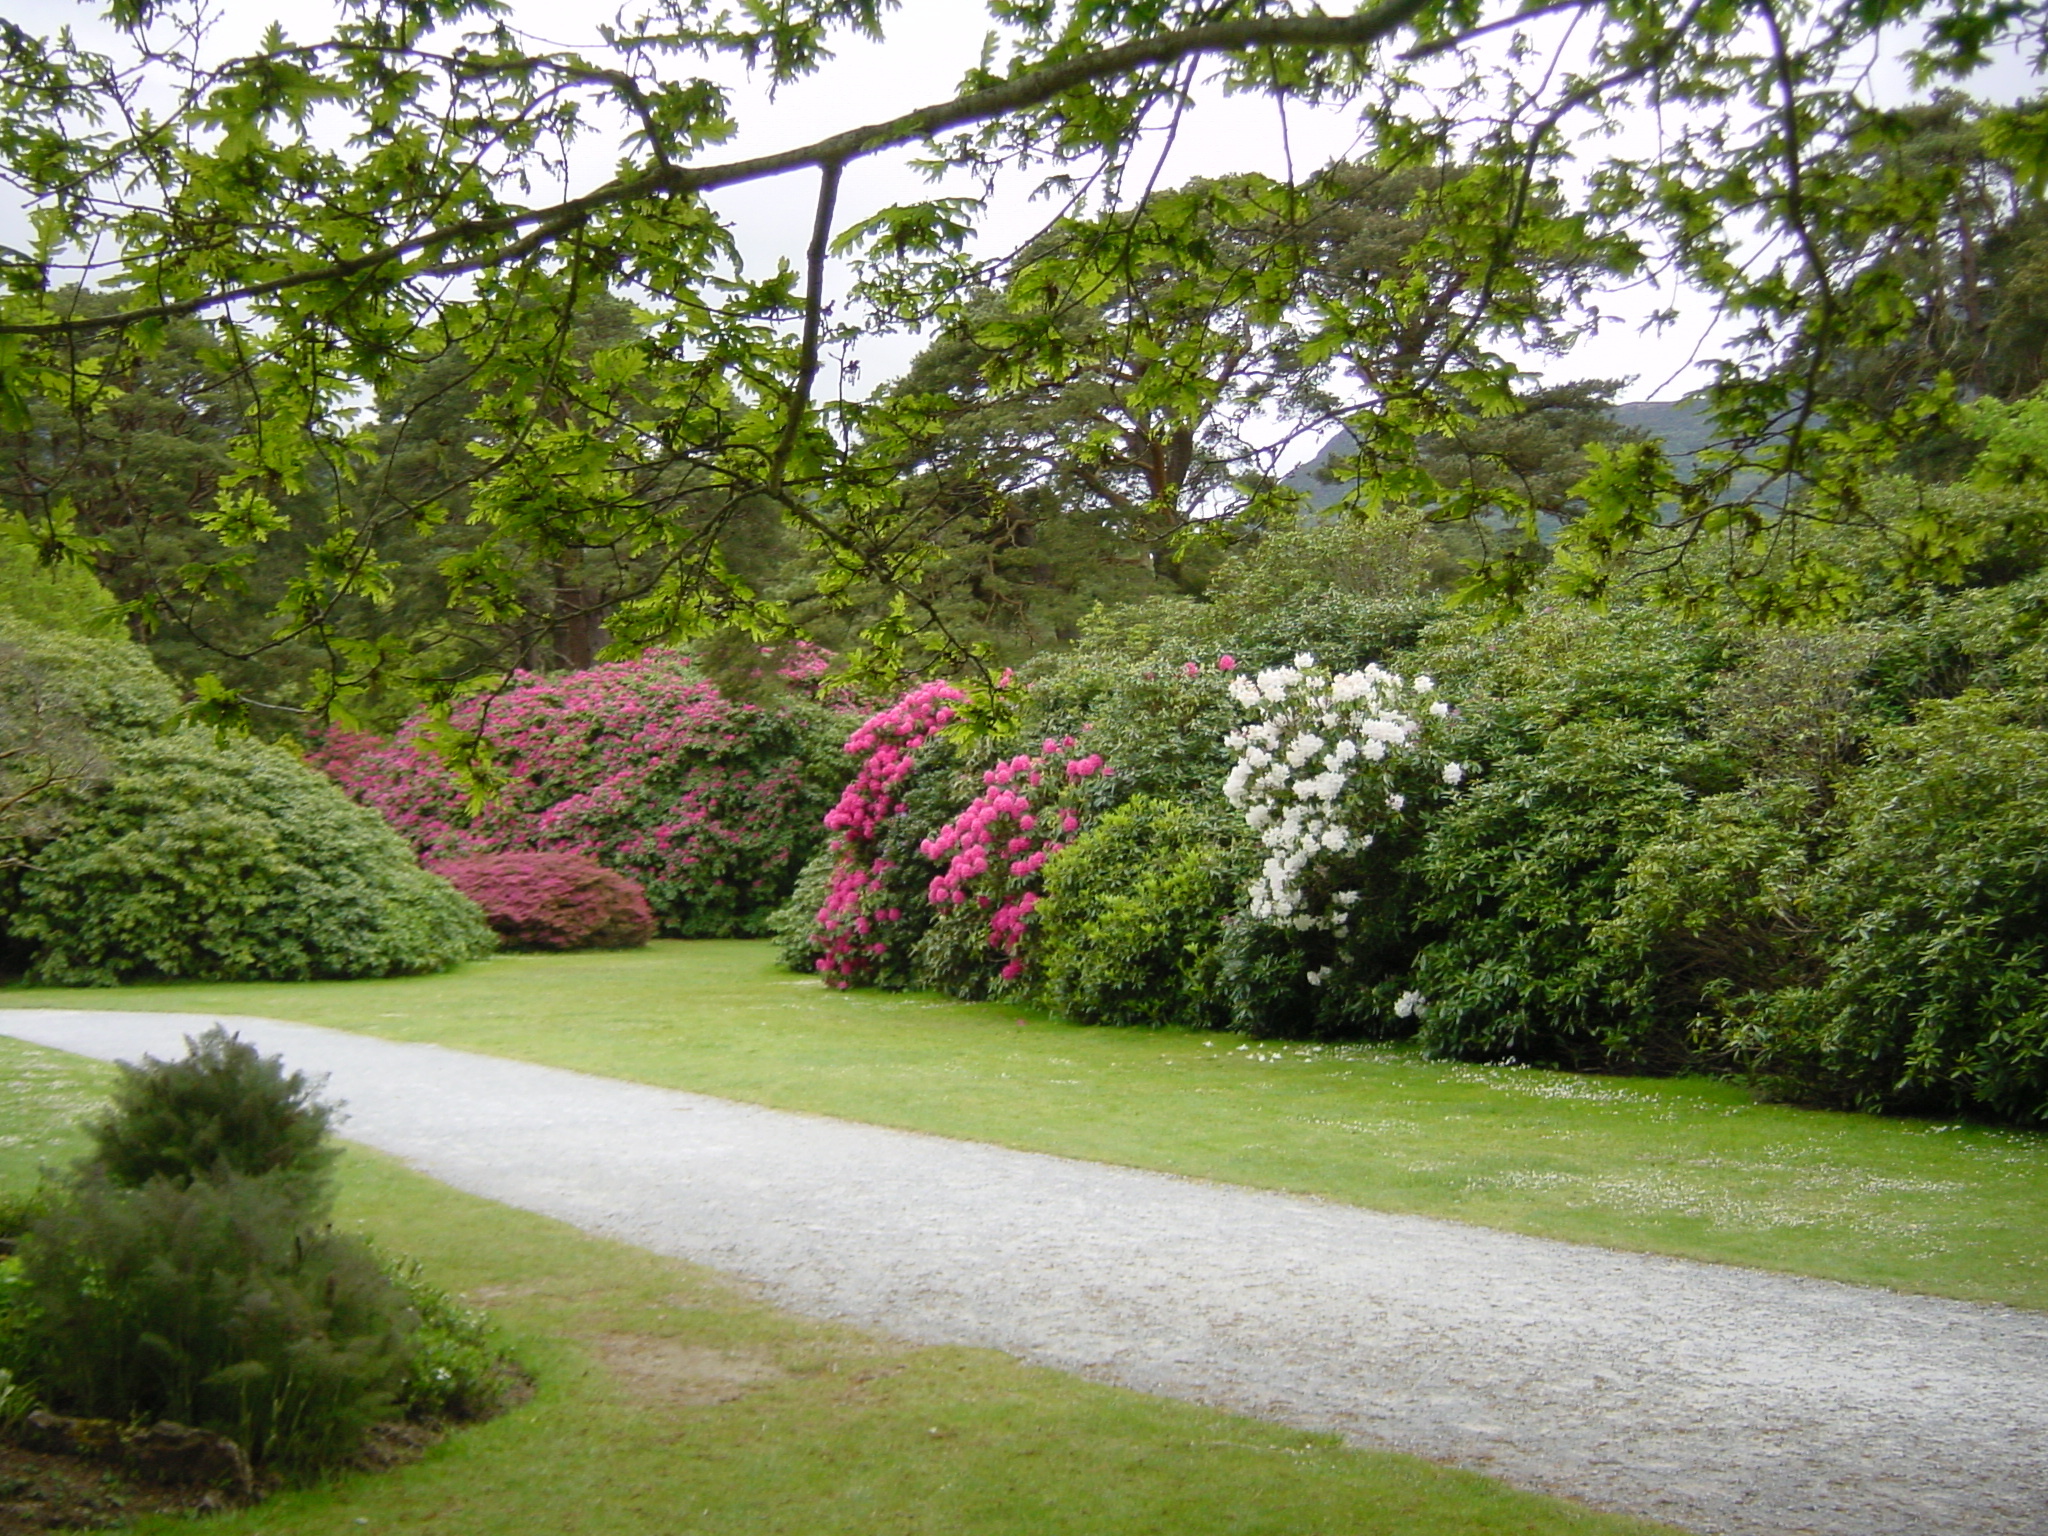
x=854, y=923
x=1316, y=776
x=642, y=765
x=997, y=846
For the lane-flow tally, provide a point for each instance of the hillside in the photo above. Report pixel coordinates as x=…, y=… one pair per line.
x=1681, y=424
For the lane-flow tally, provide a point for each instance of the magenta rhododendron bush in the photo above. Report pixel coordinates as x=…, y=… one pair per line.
x=997, y=846
x=553, y=900
x=935, y=876
x=643, y=765
x=864, y=907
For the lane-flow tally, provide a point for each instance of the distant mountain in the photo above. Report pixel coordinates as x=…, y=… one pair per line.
x=1682, y=425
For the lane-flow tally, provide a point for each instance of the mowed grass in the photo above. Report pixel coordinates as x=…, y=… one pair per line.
x=669, y=1402
x=1687, y=1166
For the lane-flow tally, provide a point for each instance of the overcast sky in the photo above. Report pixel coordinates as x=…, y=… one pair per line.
x=930, y=44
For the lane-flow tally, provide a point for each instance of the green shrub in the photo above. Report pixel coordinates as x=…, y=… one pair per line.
x=794, y=925
x=222, y=1108
x=1710, y=912
x=1940, y=644
x=211, y=1304
x=1932, y=911
x=1262, y=983
x=1263, y=980
x=50, y=597
x=1589, y=736
x=66, y=700
x=1521, y=869
x=105, y=681
x=231, y=862
x=1515, y=683
x=2003, y=537
x=1148, y=687
x=1131, y=926
x=1342, y=630
x=455, y=1368
x=1793, y=707
x=1143, y=690
x=954, y=954
x=1586, y=730
x=1390, y=556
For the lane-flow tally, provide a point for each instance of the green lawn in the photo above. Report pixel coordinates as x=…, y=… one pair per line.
x=1686, y=1166
x=670, y=1403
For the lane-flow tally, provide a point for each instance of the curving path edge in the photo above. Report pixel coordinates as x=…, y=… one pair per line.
x=1721, y=1399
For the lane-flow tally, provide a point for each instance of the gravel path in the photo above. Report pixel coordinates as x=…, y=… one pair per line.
x=1720, y=1399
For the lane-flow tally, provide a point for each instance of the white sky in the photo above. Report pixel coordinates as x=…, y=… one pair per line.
x=929, y=46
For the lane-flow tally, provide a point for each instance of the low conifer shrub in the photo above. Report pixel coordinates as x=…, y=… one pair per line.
x=223, y=1107
x=185, y=1272
x=214, y=1304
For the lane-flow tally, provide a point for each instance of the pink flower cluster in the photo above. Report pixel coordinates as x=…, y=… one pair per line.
x=642, y=765
x=807, y=668
x=801, y=664
x=1000, y=842
x=852, y=924
x=348, y=758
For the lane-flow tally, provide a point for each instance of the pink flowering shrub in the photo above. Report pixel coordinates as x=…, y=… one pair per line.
x=919, y=889
x=994, y=851
x=643, y=765
x=750, y=672
x=873, y=907
x=800, y=665
x=553, y=900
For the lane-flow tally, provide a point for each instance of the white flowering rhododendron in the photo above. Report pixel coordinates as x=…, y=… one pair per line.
x=1328, y=764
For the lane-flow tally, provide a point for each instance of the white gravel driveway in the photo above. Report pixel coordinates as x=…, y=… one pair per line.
x=1721, y=1399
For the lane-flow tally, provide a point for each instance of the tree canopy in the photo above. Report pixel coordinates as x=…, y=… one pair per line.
x=323, y=224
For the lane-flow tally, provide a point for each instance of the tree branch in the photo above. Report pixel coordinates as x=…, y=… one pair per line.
x=814, y=319
x=1034, y=88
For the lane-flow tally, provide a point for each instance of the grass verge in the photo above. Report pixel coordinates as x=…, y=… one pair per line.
x=1681, y=1166
x=670, y=1402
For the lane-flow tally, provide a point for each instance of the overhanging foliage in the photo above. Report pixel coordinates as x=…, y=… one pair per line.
x=338, y=215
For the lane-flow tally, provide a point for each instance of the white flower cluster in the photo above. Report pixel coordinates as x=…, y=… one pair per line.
x=1314, y=771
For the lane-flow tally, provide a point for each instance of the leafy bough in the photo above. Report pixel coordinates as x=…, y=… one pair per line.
x=338, y=215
